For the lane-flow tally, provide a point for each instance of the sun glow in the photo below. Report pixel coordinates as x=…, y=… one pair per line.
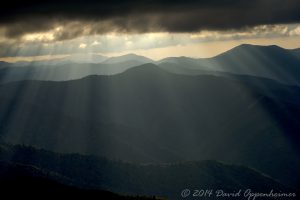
x=38, y=37
x=48, y=36
x=155, y=45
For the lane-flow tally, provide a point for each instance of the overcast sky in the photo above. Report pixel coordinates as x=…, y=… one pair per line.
x=153, y=28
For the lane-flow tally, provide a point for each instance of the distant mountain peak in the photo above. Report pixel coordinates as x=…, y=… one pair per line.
x=131, y=55
x=252, y=46
x=128, y=57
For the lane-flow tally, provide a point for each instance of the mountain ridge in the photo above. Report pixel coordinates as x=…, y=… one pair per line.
x=135, y=179
x=271, y=62
x=150, y=115
x=245, y=45
x=126, y=57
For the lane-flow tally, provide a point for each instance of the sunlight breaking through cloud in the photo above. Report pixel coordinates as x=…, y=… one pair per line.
x=48, y=43
x=82, y=46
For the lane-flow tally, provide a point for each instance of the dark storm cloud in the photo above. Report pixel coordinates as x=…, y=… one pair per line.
x=86, y=17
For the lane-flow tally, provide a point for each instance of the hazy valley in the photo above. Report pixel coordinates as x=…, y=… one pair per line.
x=132, y=125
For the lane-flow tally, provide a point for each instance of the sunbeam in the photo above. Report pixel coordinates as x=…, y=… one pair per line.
x=150, y=100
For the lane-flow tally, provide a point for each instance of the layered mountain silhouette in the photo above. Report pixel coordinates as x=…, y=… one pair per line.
x=271, y=62
x=161, y=119
x=149, y=115
x=69, y=68
x=263, y=61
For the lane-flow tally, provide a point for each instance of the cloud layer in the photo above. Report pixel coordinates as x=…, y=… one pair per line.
x=90, y=17
x=38, y=44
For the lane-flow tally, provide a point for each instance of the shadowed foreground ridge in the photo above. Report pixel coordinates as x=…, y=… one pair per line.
x=65, y=172
x=31, y=181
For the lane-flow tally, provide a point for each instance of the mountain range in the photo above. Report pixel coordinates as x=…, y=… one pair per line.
x=271, y=62
x=149, y=115
x=132, y=125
